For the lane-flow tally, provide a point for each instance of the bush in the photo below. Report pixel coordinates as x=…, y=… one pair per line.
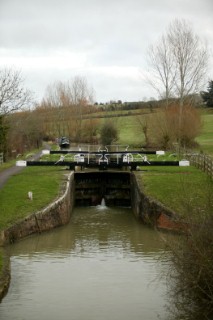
x=108, y=133
x=175, y=126
x=192, y=266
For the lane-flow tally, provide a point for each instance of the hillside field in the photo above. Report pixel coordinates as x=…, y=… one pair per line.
x=130, y=131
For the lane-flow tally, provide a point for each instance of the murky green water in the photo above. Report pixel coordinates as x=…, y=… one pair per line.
x=103, y=265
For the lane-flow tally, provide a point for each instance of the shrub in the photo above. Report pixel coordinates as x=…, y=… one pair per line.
x=173, y=125
x=108, y=133
x=192, y=265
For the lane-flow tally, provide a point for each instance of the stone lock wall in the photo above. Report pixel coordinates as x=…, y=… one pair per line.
x=151, y=211
x=56, y=214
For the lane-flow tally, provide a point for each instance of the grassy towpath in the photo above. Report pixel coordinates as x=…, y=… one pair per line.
x=186, y=190
x=43, y=182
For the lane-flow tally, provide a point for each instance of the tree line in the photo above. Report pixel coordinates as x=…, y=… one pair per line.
x=177, y=70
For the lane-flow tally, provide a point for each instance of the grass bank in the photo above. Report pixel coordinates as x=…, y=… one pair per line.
x=7, y=165
x=45, y=184
x=185, y=190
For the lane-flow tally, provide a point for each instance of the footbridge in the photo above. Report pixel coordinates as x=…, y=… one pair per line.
x=101, y=159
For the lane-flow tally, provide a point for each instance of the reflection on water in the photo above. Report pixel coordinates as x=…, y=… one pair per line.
x=103, y=265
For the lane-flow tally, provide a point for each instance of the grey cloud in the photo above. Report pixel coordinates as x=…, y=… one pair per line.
x=109, y=33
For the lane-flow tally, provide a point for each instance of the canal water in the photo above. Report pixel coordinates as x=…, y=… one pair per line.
x=103, y=265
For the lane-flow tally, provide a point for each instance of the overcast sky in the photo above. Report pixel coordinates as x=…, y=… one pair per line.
x=105, y=41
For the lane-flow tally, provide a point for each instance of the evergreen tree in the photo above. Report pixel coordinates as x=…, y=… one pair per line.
x=208, y=95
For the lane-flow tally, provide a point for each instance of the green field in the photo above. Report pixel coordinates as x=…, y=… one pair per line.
x=205, y=139
x=130, y=132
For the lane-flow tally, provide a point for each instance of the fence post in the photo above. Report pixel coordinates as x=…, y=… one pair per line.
x=202, y=162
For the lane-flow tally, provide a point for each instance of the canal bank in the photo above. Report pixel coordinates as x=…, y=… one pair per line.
x=5, y=275
x=151, y=211
x=124, y=189
x=104, y=264
x=55, y=214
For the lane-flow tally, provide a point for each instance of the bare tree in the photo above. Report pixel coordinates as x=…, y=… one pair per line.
x=178, y=62
x=190, y=57
x=164, y=130
x=70, y=100
x=81, y=96
x=143, y=123
x=161, y=68
x=13, y=95
x=57, y=99
x=70, y=93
